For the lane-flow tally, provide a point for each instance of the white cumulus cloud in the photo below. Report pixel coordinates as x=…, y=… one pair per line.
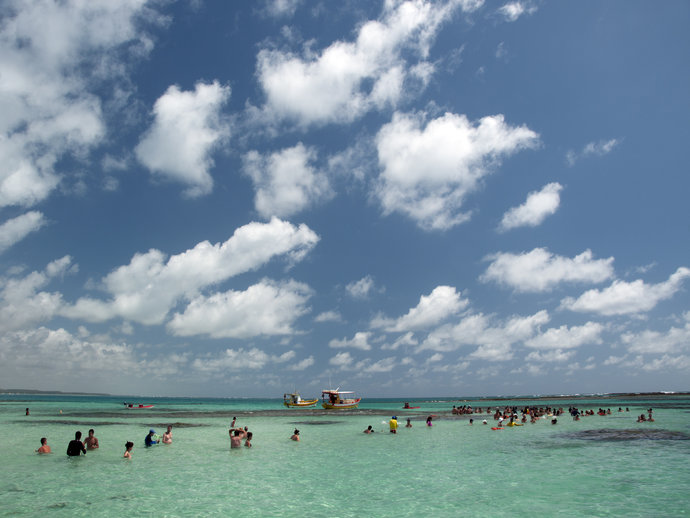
x=54, y=56
x=624, y=298
x=360, y=289
x=404, y=340
x=302, y=364
x=342, y=360
x=348, y=78
x=24, y=303
x=52, y=357
x=538, y=206
x=674, y=340
x=359, y=341
x=493, y=340
x=328, y=316
x=14, y=230
x=187, y=128
x=286, y=182
x=441, y=303
x=540, y=270
x=266, y=308
x=148, y=287
x=565, y=337
x=429, y=168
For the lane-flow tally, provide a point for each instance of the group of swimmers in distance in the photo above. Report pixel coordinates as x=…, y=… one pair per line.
x=643, y=419
x=511, y=414
x=77, y=447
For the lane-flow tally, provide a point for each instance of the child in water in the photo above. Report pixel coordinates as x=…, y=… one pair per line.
x=128, y=449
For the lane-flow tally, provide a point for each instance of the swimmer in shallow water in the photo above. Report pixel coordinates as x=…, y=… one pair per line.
x=167, y=436
x=91, y=442
x=76, y=447
x=236, y=436
x=150, y=438
x=44, y=446
x=369, y=429
x=295, y=436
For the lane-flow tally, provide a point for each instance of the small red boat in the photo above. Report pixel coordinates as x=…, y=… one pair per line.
x=135, y=407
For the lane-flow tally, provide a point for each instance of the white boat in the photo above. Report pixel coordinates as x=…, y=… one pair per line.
x=338, y=399
x=295, y=400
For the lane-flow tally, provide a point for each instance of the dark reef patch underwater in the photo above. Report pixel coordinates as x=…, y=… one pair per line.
x=609, y=434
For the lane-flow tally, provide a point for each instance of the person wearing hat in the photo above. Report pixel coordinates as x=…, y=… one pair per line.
x=393, y=424
x=150, y=439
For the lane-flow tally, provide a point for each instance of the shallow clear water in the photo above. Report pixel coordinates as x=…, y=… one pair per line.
x=598, y=466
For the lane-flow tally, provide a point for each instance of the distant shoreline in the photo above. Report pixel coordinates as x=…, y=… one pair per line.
x=530, y=397
x=50, y=392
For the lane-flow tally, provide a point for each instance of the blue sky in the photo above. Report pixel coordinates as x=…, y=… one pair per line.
x=458, y=197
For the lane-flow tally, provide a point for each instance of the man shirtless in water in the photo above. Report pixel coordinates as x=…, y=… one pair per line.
x=44, y=446
x=167, y=436
x=91, y=442
x=236, y=436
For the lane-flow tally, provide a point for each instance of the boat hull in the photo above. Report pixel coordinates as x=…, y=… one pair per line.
x=301, y=404
x=341, y=406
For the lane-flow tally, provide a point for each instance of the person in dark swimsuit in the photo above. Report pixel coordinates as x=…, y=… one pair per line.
x=76, y=447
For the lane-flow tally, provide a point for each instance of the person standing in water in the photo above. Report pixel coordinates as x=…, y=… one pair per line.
x=393, y=424
x=44, y=446
x=91, y=442
x=167, y=436
x=76, y=447
x=150, y=440
x=295, y=435
x=128, y=449
x=236, y=436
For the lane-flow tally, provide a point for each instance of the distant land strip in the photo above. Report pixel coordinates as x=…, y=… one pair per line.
x=51, y=392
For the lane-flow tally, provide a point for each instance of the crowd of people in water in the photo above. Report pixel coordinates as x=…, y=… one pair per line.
x=77, y=447
x=507, y=416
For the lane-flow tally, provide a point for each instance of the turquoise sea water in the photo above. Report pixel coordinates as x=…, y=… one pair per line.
x=598, y=466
